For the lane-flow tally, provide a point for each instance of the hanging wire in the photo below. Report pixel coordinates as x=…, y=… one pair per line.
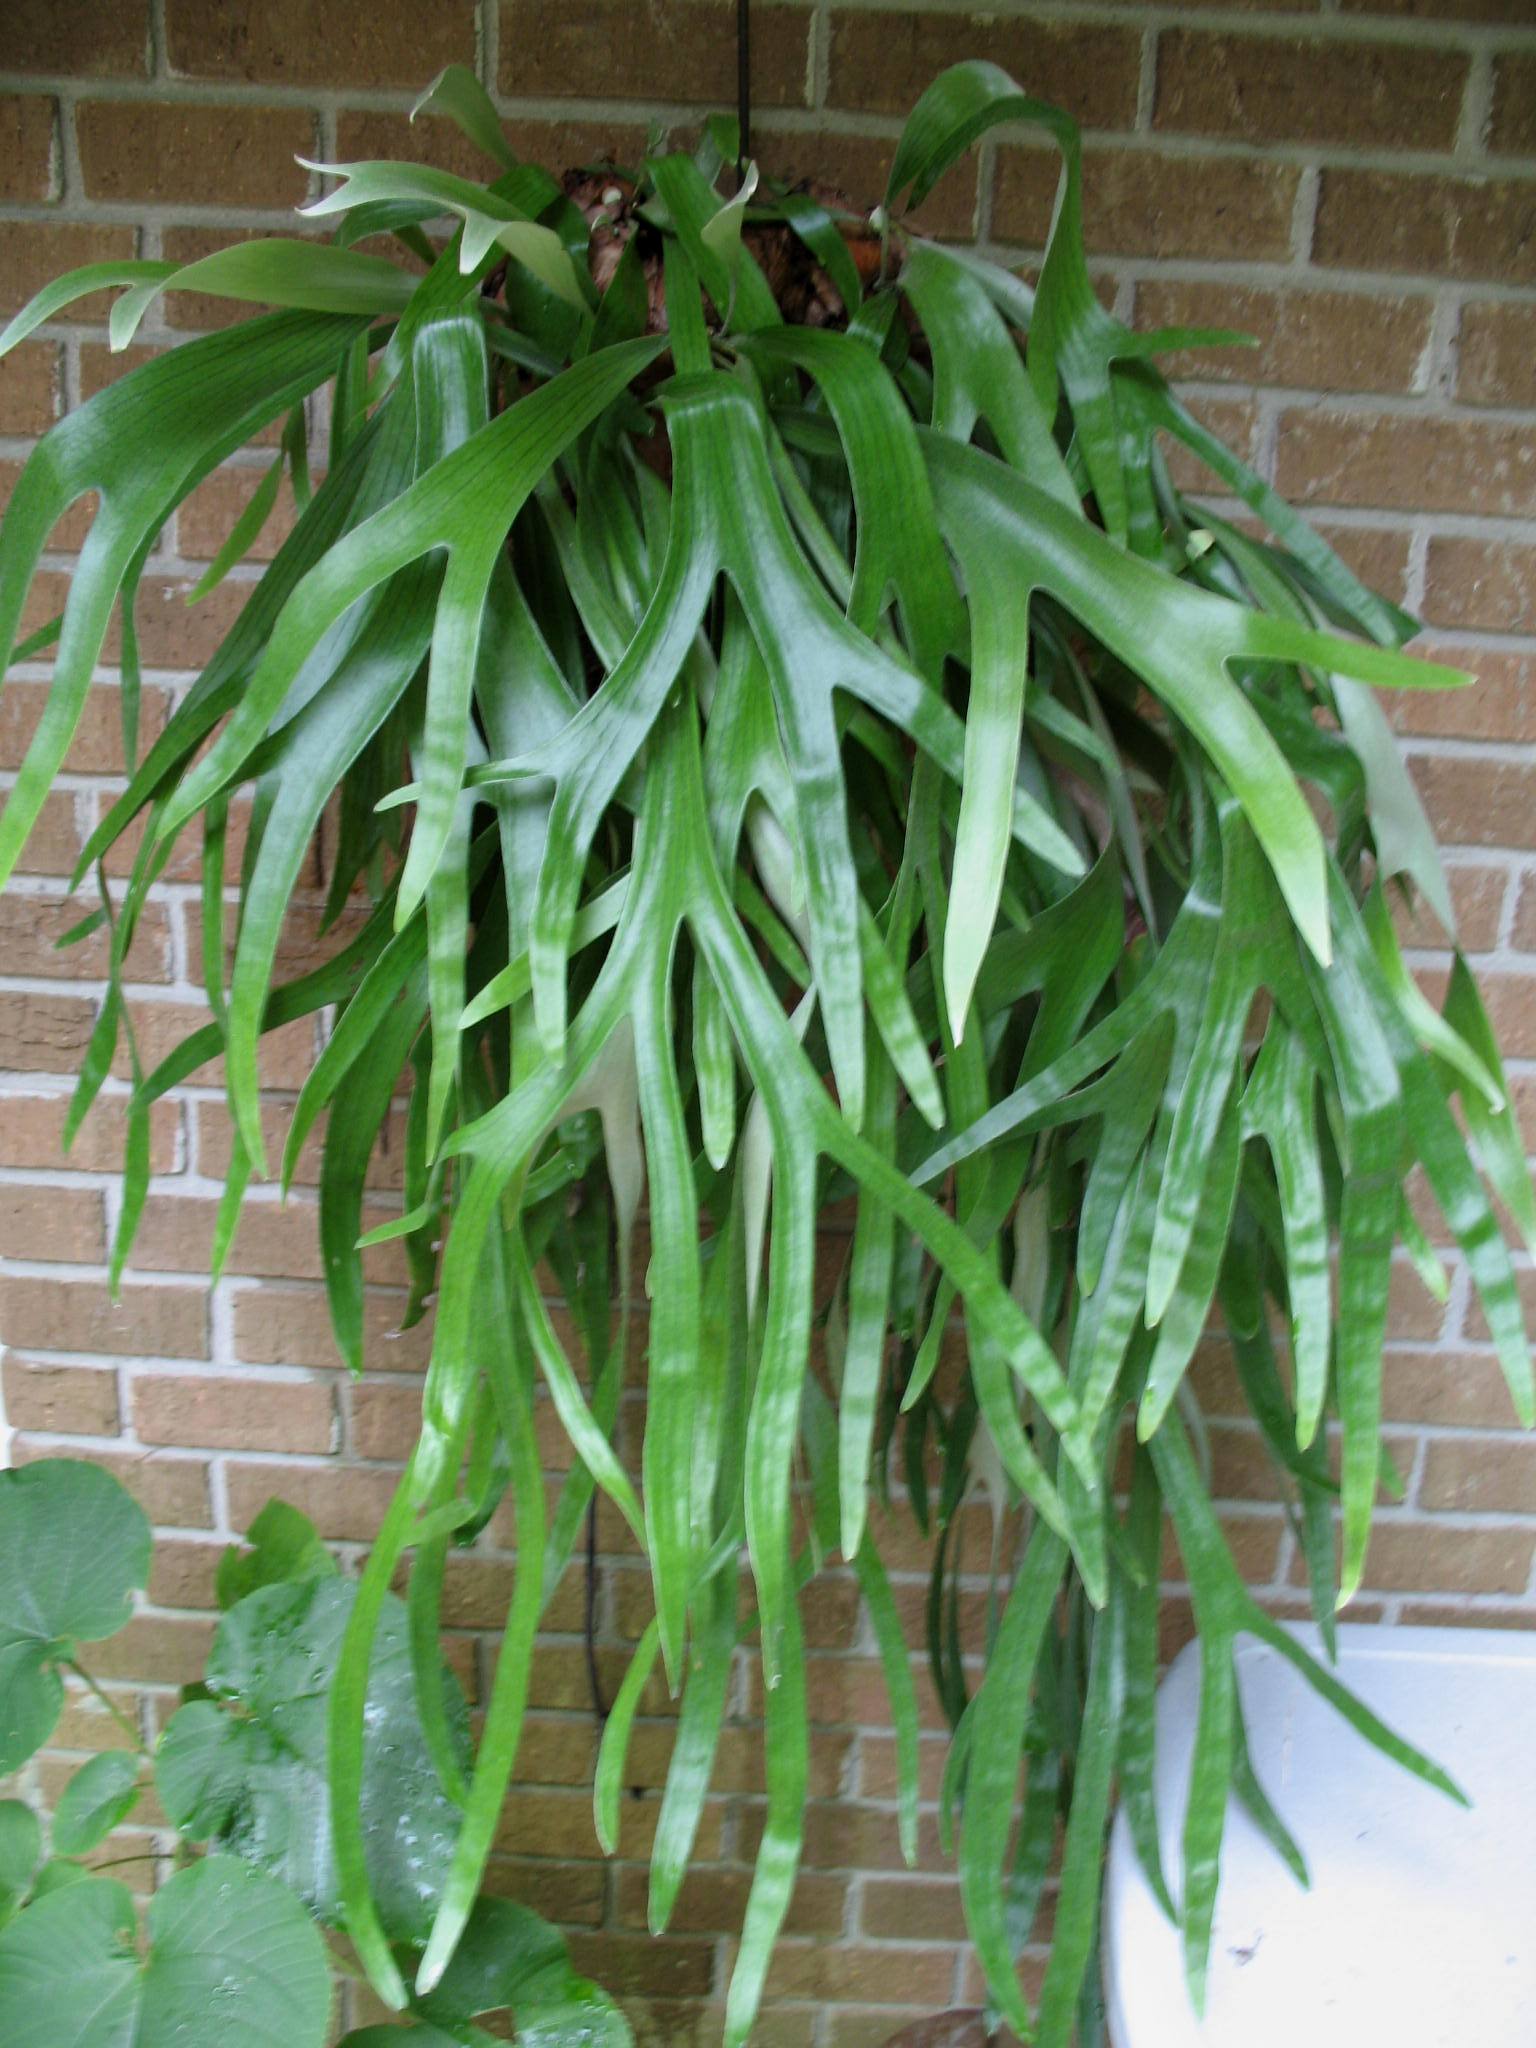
x=743, y=88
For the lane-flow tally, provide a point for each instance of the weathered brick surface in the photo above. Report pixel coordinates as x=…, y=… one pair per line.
x=1358, y=193
x=293, y=42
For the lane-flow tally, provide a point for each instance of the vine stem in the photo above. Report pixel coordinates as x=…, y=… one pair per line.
x=116, y=1712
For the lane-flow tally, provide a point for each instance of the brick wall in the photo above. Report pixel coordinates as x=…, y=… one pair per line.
x=1357, y=186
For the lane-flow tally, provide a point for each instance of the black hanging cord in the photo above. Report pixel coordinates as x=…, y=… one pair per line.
x=743, y=86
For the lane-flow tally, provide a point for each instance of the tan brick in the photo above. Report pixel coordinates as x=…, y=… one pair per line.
x=31, y=926
x=1138, y=204
x=202, y=311
x=167, y=150
x=297, y=42
x=879, y=1777
x=1477, y=897
x=184, y=1574
x=291, y=1326
x=1525, y=915
x=346, y=1504
x=1512, y=129
x=386, y=1419
x=86, y=1725
x=1497, y=354
x=1233, y=421
x=1420, y=464
x=883, y=58
x=366, y=134
x=214, y=1130
x=29, y=388
x=108, y=39
x=1325, y=341
x=278, y=1241
x=1485, y=584
x=153, y=1650
x=1419, y=1557
x=34, y=252
x=671, y=50
x=625, y=1964
x=207, y=517
x=1377, y=554
x=1510, y=13
x=912, y=1909
x=52, y=1223
x=285, y=1058
x=45, y=1034
x=235, y=1415
x=80, y=1315
x=858, y=165
x=32, y=1134
x=1480, y=1474
x=97, y=745
x=571, y=1895
x=1297, y=89
x=75, y=1400
x=1497, y=706
x=1438, y=227
x=714, y=1902
x=1474, y=802
x=172, y=1491
x=848, y=1972
x=27, y=146
x=54, y=843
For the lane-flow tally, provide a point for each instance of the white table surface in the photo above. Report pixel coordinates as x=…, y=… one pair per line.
x=1419, y=1930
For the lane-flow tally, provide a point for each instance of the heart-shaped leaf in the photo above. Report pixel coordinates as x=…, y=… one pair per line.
x=232, y=1958
x=248, y=1769
x=21, y=1844
x=73, y=1546
x=96, y=1798
x=285, y=1549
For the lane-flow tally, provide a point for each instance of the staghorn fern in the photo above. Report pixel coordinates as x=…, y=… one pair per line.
x=797, y=762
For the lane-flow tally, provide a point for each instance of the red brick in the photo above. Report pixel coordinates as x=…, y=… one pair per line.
x=1512, y=129
x=1297, y=89
x=108, y=39
x=1497, y=355
x=1408, y=461
x=74, y=1400
x=51, y=1223
x=194, y=1409
x=80, y=1315
x=1438, y=227
x=1323, y=341
x=671, y=50
x=297, y=42
x=34, y=252
x=27, y=146
x=185, y=1575
x=1139, y=204
x=166, y=150
x=881, y=59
